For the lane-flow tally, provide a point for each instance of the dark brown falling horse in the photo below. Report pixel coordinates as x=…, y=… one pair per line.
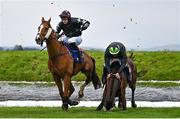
x=116, y=87
x=62, y=66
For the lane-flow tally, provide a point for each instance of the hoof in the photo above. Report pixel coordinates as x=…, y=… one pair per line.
x=134, y=105
x=99, y=107
x=80, y=94
x=111, y=109
x=123, y=109
x=73, y=102
x=65, y=106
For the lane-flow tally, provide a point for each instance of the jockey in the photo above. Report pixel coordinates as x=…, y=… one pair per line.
x=115, y=50
x=72, y=29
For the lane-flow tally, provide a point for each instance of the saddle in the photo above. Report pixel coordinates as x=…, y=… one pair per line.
x=74, y=53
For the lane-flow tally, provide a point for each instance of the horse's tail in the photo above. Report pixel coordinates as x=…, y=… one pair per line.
x=94, y=78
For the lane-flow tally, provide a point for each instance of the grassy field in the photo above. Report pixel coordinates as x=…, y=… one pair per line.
x=55, y=112
x=32, y=65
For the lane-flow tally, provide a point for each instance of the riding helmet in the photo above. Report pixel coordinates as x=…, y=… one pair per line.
x=114, y=50
x=65, y=14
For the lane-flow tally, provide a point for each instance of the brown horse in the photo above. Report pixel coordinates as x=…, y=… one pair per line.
x=116, y=84
x=62, y=66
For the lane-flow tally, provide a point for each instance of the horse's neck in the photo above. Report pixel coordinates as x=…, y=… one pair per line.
x=54, y=47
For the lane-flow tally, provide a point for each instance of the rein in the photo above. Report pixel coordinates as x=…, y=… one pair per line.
x=46, y=46
x=47, y=37
x=43, y=48
x=49, y=32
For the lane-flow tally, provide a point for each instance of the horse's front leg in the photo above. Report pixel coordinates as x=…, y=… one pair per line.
x=120, y=100
x=65, y=99
x=102, y=101
x=67, y=92
x=123, y=98
x=58, y=82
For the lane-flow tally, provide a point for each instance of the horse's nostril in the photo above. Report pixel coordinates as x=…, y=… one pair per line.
x=36, y=39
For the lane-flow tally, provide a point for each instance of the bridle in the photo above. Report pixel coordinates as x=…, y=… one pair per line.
x=46, y=37
x=48, y=33
x=46, y=46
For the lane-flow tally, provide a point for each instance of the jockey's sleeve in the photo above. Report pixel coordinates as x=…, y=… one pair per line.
x=123, y=58
x=58, y=28
x=123, y=63
x=107, y=64
x=107, y=58
x=84, y=24
x=123, y=49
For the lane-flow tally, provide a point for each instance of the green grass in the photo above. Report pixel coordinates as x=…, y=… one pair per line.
x=55, y=112
x=32, y=65
x=163, y=65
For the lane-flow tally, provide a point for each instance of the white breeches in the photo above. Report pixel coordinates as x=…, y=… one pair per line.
x=68, y=40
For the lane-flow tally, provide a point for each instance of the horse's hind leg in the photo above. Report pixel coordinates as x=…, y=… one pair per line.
x=100, y=106
x=87, y=81
x=123, y=97
x=133, y=104
x=120, y=100
x=133, y=87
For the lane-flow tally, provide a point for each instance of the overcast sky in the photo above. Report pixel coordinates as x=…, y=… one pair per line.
x=136, y=23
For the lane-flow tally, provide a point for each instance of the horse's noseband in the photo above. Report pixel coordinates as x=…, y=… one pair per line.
x=46, y=37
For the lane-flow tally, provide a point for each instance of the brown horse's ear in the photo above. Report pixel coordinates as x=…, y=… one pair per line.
x=49, y=20
x=42, y=19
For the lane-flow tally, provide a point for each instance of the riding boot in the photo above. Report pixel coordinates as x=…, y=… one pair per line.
x=74, y=47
